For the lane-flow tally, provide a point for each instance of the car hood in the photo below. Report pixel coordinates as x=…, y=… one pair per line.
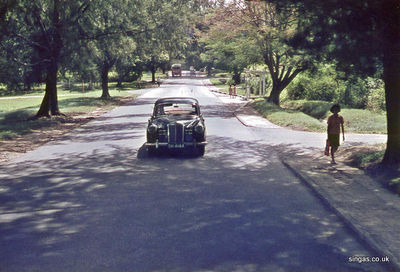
x=186, y=120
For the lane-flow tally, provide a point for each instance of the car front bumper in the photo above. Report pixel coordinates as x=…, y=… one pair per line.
x=169, y=145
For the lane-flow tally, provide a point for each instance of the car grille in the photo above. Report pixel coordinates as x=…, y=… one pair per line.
x=175, y=133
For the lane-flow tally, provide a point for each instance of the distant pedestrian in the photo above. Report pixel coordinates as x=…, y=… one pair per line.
x=234, y=90
x=335, y=121
x=230, y=91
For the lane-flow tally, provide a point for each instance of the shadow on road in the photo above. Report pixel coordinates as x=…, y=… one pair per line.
x=235, y=209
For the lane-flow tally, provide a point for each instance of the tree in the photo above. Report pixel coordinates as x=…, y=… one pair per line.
x=229, y=45
x=43, y=30
x=257, y=28
x=361, y=37
x=167, y=40
x=273, y=28
x=110, y=33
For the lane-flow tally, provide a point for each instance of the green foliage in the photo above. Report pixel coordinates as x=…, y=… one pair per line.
x=324, y=85
x=319, y=85
x=376, y=97
x=355, y=94
x=254, y=83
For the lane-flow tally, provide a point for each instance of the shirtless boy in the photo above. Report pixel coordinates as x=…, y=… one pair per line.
x=335, y=121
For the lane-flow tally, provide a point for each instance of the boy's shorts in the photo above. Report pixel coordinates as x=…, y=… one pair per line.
x=334, y=139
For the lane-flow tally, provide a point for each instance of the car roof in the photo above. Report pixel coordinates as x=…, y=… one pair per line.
x=177, y=100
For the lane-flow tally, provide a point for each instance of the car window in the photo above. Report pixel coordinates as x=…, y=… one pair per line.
x=176, y=109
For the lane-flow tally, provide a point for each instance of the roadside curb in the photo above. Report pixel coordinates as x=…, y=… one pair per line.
x=380, y=241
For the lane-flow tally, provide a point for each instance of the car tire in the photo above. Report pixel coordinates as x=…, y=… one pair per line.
x=201, y=150
x=151, y=150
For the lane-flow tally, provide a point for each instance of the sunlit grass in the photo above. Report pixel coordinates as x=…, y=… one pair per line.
x=286, y=117
x=364, y=121
x=15, y=112
x=68, y=101
x=356, y=120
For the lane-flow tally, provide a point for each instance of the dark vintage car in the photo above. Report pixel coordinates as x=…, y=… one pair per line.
x=176, y=70
x=176, y=124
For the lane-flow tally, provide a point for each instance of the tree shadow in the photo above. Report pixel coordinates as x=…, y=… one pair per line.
x=235, y=209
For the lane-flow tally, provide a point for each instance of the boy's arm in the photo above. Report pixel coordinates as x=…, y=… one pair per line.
x=328, y=125
x=343, y=130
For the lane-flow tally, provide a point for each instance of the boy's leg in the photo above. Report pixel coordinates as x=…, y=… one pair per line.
x=333, y=150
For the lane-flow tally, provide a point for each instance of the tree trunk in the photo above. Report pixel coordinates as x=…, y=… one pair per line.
x=281, y=75
x=236, y=75
x=119, y=83
x=153, y=74
x=275, y=94
x=55, y=44
x=391, y=64
x=50, y=101
x=104, y=82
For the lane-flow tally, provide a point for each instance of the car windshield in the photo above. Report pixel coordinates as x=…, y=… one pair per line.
x=176, y=109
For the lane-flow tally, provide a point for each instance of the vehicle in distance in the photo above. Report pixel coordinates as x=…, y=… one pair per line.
x=192, y=71
x=176, y=125
x=176, y=69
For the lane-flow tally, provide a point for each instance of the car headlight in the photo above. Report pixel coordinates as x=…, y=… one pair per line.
x=199, y=128
x=152, y=129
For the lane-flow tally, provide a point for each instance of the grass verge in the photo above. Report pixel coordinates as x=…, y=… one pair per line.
x=356, y=120
x=287, y=117
x=15, y=112
x=368, y=158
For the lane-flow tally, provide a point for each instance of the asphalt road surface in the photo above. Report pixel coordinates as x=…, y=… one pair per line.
x=94, y=201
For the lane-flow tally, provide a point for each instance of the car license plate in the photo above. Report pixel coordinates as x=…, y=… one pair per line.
x=176, y=145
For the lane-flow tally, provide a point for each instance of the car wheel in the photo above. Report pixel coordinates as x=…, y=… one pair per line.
x=151, y=150
x=201, y=150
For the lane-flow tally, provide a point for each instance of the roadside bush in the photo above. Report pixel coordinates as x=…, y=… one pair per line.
x=254, y=85
x=355, y=94
x=376, y=98
x=222, y=80
x=319, y=86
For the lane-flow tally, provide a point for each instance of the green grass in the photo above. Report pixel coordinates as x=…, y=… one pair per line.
x=364, y=121
x=316, y=109
x=15, y=124
x=356, y=120
x=287, y=117
x=14, y=113
x=69, y=101
x=363, y=159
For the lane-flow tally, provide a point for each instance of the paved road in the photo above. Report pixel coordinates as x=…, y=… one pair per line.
x=94, y=201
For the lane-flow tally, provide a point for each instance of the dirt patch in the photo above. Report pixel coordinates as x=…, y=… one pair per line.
x=10, y=149
x=388, y=177
x=353, y=155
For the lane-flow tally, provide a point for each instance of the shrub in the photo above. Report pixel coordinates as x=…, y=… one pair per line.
x=317, y=86
x=376, y=98
x=355, y=94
